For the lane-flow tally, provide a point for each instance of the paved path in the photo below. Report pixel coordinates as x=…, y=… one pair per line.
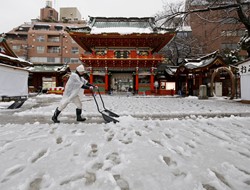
x=40, y=109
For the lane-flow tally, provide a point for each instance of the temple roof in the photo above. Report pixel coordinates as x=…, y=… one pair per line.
x=202, y=62
x=5, y=49
x=199, y=63
x=48, y=68
x=121, y=32
x=121, y=25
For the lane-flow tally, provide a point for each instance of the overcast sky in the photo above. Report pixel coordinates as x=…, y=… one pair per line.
x=15, y=12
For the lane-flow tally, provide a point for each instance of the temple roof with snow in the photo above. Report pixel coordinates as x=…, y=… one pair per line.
x=202, y=63
x=121, y=32
x=122, y=25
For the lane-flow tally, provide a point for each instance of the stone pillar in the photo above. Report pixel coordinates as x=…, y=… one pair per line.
x=203, y=92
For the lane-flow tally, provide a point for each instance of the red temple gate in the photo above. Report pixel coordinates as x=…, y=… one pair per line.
x=121, y=53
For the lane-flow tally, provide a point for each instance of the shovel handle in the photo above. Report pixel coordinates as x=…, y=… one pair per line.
x=96, y=102
x=101, y=98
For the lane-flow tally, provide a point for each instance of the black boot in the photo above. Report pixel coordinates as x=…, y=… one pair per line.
x=54, y=118
x=78, y=115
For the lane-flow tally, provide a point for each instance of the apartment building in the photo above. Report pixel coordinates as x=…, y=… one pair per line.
x=48, y=13
x=218, y=29
x=46, y=42
x=69, y=14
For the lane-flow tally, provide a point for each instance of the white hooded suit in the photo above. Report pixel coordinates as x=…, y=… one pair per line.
x=72, y=91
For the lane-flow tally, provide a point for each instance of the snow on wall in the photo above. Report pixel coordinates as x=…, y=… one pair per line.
x=13, y=81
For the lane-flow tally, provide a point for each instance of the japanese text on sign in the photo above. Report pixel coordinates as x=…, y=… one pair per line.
x=244, y=69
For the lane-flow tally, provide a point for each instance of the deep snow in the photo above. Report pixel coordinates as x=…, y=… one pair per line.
x=160, y=143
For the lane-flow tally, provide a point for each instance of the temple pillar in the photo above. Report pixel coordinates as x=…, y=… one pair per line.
x=152, y=79
x=106, y=79
x=91, y=76
x=200, y=78
x=137, y=79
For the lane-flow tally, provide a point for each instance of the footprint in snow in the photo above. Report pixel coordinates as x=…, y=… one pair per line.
x=10, y=172
x=156, y=142
x=94, y=150
x=168, y=135
x=126, y=141
x=114, y=157
x=89, y=177
x=35, y=184
x=59, y=140
x=138, y=133
x=191, y=144
x=37, y=156
x=122, y=183
x=97, y=166
x=208, y=187
x=110, y=136
x=169, y=161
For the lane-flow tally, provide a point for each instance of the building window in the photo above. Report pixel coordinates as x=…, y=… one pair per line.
x=224, y=33
x=66, y=59
x=40, y=49
x=53, y=38
x=51, y=13
x=241, y=33
x=53, y=49
x=41, y=27
x=229, y=46
x=16, y=48
x=51, y=60
x=74, y=60
x=230, y=21
x=233, y=33
x=40, y=38
x=75, y=50
x=58, y=28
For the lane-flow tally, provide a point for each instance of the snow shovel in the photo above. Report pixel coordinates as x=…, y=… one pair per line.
x=106, y=114
x=17, y=104
x=110, y=113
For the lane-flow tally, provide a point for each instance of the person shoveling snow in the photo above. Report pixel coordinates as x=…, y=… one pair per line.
x=72, y=92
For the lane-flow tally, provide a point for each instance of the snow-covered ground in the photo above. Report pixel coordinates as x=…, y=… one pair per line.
x=160, y=143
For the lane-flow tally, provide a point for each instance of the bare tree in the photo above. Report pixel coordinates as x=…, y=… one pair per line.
x=184, y=45
x=234, y=9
